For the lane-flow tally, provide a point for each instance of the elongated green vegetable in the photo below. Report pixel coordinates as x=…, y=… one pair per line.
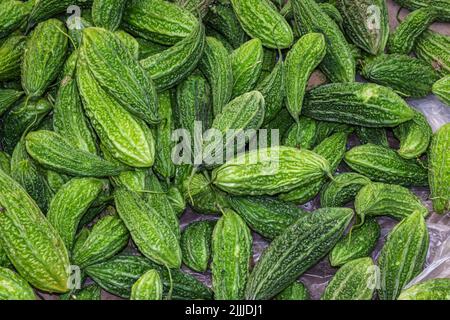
x=11, y=52
x=14, y=287
x=441, y=89
x=296, y=291
x=7, y=98
x=147, y=287
x=14, y=13
x=196, y=245
x=342, y=189
x=108, y=13
x=433, y=289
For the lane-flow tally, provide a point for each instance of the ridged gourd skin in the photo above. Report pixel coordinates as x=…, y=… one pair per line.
x=362, y=104
x=31, y=177
x=147, y=287
x=14, y=14
x=193, y=103
x=221, y=17
x=333, y=150
x=129, y=42
x=433, y=289
x=11, y=52
x=432, y=47
x=163, y=137
x=301, y=61
x=267, y=216
x=296, y=292
x=272, y=89
x=403, y=39
x=14, y=287
x=231, y=256
x=358, y=243
x=108, y=13
x=23, y=117
x=216, y=67
x=439, y=172
x=176, y=200
x=245, y=112
x=7, y=98
x=324, y=129
x=196, y=245
x=381, y=199
x=53, y=152
x=5, y=163
x=441, y=6
x=108, y=237
x=282, y=121
x=441, y=89
x=44, y=57
x=298, y=248
x=403, y=255
x=366, y=23
x=246, y=63
x=123, y=135
x=356, y=280
x=338, y=63
x=68, y=117
x=372, y=135
x=196, y=6
x=118, y=73
x=158, y=20
x=90, y=292
x=70, y=204
x=169, y=67
x=301, y=134
x=383, y=164
x=269, y=171
x=44, y=9
x=149, y=229
x=260, y=19
x=414, y=136
x=342, y=189
x=31, y=243
x=118, y=274
x=409, y=77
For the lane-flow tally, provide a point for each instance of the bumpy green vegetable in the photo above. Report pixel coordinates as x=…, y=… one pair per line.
x=108, y=236
x=14, y=14
x=196, y=245
x=261, y=20
x=434, y=289
x=11, y=52
x=158, y=20
x=231, y=254
x=118, y=275
x=7, y=98
x=297, y=249
x=432, y=47
x=44, y=9
x=23, y=117
x=196, y=6
x=14, y=287
x=385, y=165
x=246, y=63
x=108, y=13
x=366, y=23
x=119, y=74
x=356, y=280
x=358, y=243
x=338, y=64
x=296, y=291
x=31, y=243
x=170, y=66
x=301, y=61
x=408, y=76
x=222, y=18
x=53, y=152
x=267, y=216
x=152, y=233
x=342, y=189
x=407, y=32
x=269, y=171
x=129, y=42
x=441, y=89
x=5, y=162
x=403, y=255
x=91, y=292
x=147, y=287
x=70, y=204
x=441, y=6
x=362, y=104
x=272, y=89
x=44, y=57
x=439, y=173
x=372, y=135
x=301, y=134
x=68, y=118
x=128, y=140
x=414, y=136
x=216, y=66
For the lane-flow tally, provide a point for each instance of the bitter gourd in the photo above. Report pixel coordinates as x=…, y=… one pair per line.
x=11, y=52
x=432, y=47
x=14, y=287
x=441, y=89
x=296, y=291
x=196, y=245
x=342, y=189
x=108, y=13
x=147, y=287
x=433, y=289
